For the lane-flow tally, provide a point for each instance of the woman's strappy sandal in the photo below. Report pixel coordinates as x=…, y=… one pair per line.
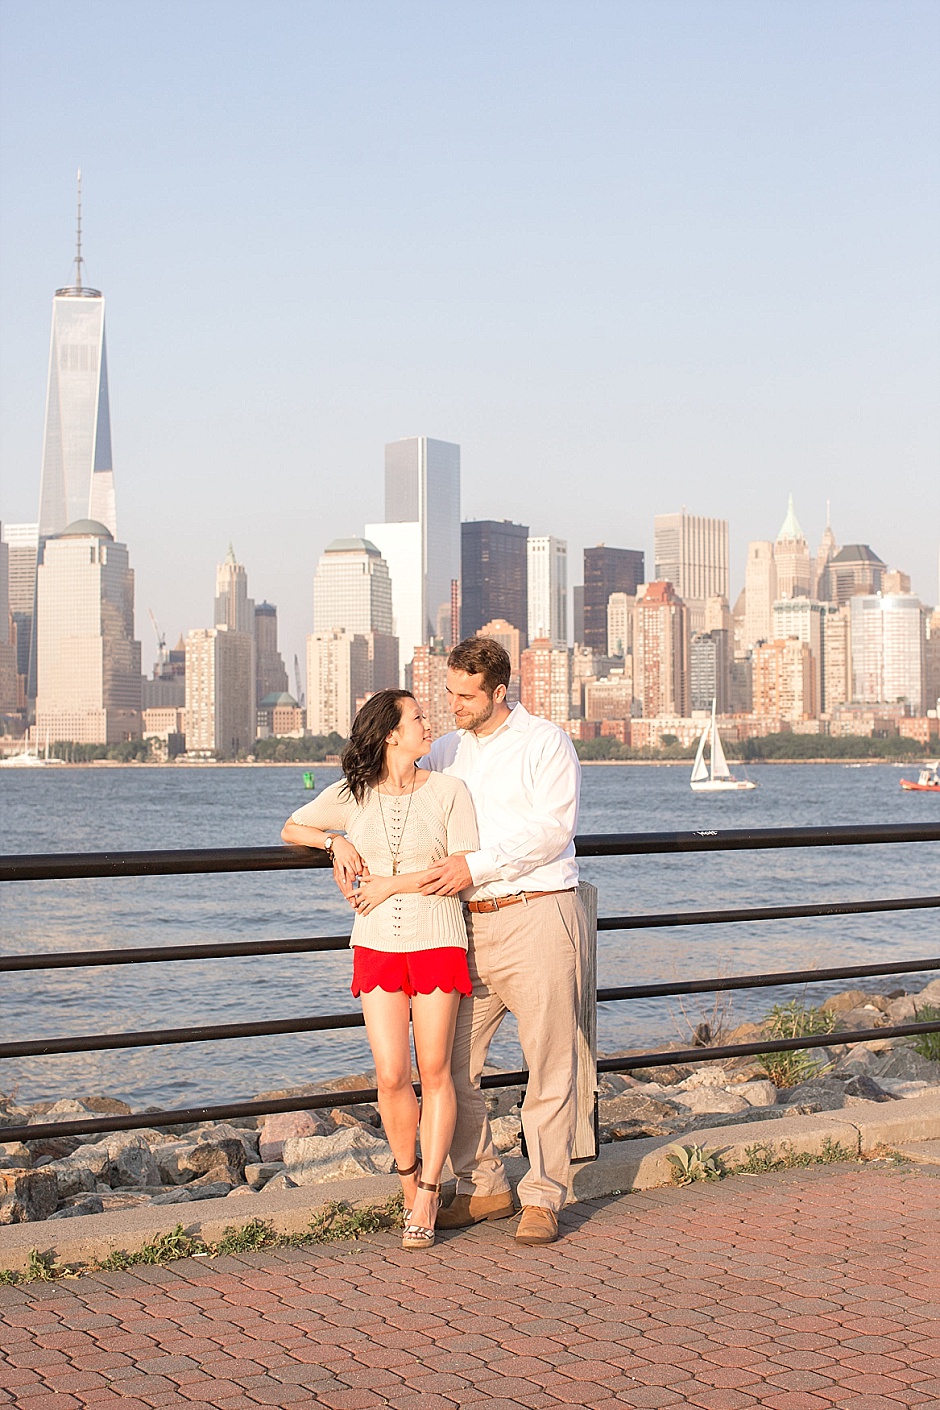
x=406, y=1213
x=417, y=1236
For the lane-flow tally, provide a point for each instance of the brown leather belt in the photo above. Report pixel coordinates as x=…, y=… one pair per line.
x=496, y=903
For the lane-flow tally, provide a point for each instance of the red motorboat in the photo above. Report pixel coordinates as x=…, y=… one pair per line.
x=928, y=781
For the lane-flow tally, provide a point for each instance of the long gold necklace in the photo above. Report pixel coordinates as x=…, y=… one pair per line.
x=396, y=852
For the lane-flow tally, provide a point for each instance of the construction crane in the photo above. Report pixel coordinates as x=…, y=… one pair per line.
x=161, y=641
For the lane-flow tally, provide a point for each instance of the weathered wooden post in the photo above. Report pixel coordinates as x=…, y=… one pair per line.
x=585, y=1138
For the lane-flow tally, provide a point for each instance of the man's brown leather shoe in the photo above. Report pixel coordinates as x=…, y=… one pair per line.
x=537, y=1225
x=473, y=1209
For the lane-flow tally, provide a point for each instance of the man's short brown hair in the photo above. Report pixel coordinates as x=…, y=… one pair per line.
x=482, y=656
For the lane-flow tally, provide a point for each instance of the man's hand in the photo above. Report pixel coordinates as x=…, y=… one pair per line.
x=347, y=865
x=448, y=877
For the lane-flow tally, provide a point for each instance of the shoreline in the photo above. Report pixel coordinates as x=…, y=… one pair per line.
x=863, y=762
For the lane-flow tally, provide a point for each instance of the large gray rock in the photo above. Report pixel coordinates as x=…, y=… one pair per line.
x=94, y=1159
x=258, y=1174
x=80, y=1204
x=212, y=1189
x=286, y=1126
x=759, y=1093
x=167, y=1156
x=14, y=1156
x=222, y=1130
x=347, y=1153
x=73, y=1178
x=712, y=1099
x=130, y=1161
x=818, y=1093
x=506, y=1131
x=27, y=1195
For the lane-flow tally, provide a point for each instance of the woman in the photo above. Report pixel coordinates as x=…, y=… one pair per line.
x=409, y=950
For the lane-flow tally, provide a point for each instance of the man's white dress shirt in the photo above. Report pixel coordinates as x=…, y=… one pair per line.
x=524, y=780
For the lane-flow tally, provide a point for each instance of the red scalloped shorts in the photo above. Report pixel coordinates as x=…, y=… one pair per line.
x=415, y=971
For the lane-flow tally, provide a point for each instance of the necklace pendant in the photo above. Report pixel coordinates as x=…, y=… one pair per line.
x=394, y=866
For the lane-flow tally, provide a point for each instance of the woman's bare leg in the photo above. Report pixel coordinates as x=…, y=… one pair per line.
x=433, y=1017
x=387, y=1017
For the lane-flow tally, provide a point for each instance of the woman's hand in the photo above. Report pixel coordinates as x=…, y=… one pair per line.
x=373, y=890
x=347, y=865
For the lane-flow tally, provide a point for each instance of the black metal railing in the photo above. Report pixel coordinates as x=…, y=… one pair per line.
x=110, y=864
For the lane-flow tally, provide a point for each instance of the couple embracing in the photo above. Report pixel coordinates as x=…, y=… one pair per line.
x=458, y=857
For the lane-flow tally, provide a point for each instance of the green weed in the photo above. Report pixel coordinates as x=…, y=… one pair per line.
x=764, y=1158
x=339, y=1220
x=927, y=1044
x=794, y=1020
x=691, y=1163
x=249, y=1238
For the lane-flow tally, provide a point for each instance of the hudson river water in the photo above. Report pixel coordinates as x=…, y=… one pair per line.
x=98, y=809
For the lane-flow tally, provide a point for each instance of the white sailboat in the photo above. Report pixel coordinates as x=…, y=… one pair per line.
x=715, y=776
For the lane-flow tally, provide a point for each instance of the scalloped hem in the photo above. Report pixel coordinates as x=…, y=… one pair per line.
x=411, y=972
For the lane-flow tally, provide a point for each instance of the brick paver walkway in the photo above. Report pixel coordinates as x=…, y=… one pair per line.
x=799, y=1291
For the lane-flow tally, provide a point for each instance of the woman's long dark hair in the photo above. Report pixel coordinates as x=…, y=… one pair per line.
x=364, y=755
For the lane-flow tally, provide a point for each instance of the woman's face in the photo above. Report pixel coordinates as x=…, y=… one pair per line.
x=412, y=736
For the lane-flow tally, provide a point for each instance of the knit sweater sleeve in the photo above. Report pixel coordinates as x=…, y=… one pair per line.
x=332, y=811
x=462, y=834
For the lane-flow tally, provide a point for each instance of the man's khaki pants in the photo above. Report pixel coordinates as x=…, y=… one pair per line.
x=523, y=958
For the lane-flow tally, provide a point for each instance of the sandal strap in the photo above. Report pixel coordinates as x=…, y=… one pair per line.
x=418, y=1231
x=432, y=1189
x=411, y=1168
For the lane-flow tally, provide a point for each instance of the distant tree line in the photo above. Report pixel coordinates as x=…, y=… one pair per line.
x=802, y=747
x=312, y=749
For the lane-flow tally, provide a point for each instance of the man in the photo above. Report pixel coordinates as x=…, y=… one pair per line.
x=527, y=927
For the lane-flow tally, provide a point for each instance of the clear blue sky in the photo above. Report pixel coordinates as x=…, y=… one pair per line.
x=631, y=255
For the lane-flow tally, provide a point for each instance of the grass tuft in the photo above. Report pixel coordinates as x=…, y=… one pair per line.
x=927, y=1044
x=794, y=1020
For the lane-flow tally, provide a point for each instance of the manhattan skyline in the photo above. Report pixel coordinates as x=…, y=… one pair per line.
x=628, y=258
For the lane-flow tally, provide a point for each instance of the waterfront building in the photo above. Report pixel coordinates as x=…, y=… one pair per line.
x=167, y=689
x=493, y=574
x=545, y=685
x=280, y=715
x=888, y=643
x=661, y=651
x=612, y=697
x=836, y=657
x=691, y=552
x=709, y=674
x=801, y=617
x=22, y=541
x=932, y=660
x=760, y=592
x=577, y=614
x=547, y=577
x=606, y=570
x=792, y=558
x=586, y=666
x=352, y=589
x=855, y=571
x=165, y=727
x=270, y=671
x=420, y=537
x=87, y=662
x=427, y=681
x=233, y=607
x=8, y=691
x=511, y=640
x=220, y=680
x=621, y=607
x=784, y=680
x=339, y=672
x=741, y=685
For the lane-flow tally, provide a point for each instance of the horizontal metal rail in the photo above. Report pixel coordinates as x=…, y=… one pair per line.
x=75, y=865
x=317, y=1101
x=223, y=1032
x=163, y=954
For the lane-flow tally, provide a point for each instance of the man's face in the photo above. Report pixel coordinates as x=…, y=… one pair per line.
x=468, y=699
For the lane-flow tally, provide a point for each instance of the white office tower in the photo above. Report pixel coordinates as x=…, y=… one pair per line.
x=220, y=688
x=353, y=651
x=8, y=694
x=802, y=618
x=760, y=593
x=888, y=641
x=420, y=537
x=691, y=552
x=88, y=663
x=352, y=590
x=77, y=476
x=233, y=607
x=621, y=608
x=547, y=588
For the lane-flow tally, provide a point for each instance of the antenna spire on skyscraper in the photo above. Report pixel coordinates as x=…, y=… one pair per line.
x=78, y=235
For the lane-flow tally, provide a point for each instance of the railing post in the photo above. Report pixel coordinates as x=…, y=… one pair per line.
x=585, y=1138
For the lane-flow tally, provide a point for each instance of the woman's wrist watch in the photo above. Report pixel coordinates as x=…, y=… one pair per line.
x=328, y=844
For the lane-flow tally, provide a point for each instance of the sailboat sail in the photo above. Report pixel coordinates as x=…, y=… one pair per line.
x=700, y=768
x=719, y=762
